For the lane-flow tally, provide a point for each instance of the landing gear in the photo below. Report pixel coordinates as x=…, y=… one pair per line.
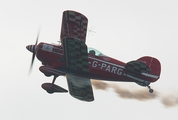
x=146, y=84
x=54, y=79
x=150, y=90
x=51, y=87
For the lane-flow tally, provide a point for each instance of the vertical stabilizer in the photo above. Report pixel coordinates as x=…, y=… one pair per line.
x=153, y=64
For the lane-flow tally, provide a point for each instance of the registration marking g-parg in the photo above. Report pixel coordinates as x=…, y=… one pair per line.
x=107, y=62
x=107, y=66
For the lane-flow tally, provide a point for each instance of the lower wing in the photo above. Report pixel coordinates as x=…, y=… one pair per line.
x=80, y=88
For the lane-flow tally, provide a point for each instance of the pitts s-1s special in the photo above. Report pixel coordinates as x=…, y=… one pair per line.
x=79, y=63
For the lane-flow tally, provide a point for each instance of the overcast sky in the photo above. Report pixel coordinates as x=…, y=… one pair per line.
x=123, y=29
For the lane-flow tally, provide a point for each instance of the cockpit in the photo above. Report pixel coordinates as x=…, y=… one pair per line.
x=94, y=52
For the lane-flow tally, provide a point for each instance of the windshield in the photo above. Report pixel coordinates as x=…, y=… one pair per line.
x=94, y=52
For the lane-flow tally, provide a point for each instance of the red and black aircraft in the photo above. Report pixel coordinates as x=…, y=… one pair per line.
x=73, y=59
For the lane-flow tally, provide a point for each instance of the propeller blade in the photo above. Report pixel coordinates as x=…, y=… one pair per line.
x=33, y=58
x=34, y=51
x=37, y=37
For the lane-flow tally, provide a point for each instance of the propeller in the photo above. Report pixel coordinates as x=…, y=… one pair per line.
x=33, y=48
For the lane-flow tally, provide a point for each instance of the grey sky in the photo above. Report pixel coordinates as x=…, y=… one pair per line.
x=125, y=29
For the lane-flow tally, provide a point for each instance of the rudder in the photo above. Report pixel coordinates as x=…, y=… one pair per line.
x=153, y=64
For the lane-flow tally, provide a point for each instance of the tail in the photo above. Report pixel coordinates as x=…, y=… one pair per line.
x=154, y=65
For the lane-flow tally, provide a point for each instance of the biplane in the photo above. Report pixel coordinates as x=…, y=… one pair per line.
x=79, y=63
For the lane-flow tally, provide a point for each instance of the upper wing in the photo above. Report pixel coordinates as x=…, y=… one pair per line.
x=80, y=88
x=74, y=24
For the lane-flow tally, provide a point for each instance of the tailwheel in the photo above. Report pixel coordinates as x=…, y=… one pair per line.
x=150, y=90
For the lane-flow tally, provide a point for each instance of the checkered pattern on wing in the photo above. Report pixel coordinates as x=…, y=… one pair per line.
x=80, y=88
x=74, y=25
x=84, y=91
x=137, y=66
x=81, y=57
x=76, y=55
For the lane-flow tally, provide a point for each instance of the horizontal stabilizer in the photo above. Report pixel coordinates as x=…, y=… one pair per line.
x=137, y=66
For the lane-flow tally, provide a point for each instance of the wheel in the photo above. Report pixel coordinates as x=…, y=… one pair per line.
x=50, y=91
x=151, y=90
x=47, y=75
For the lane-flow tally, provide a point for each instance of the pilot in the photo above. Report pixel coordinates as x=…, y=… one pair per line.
x=92, y=52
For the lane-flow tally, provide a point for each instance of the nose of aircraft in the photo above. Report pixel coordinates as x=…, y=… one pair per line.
x=31, y=48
